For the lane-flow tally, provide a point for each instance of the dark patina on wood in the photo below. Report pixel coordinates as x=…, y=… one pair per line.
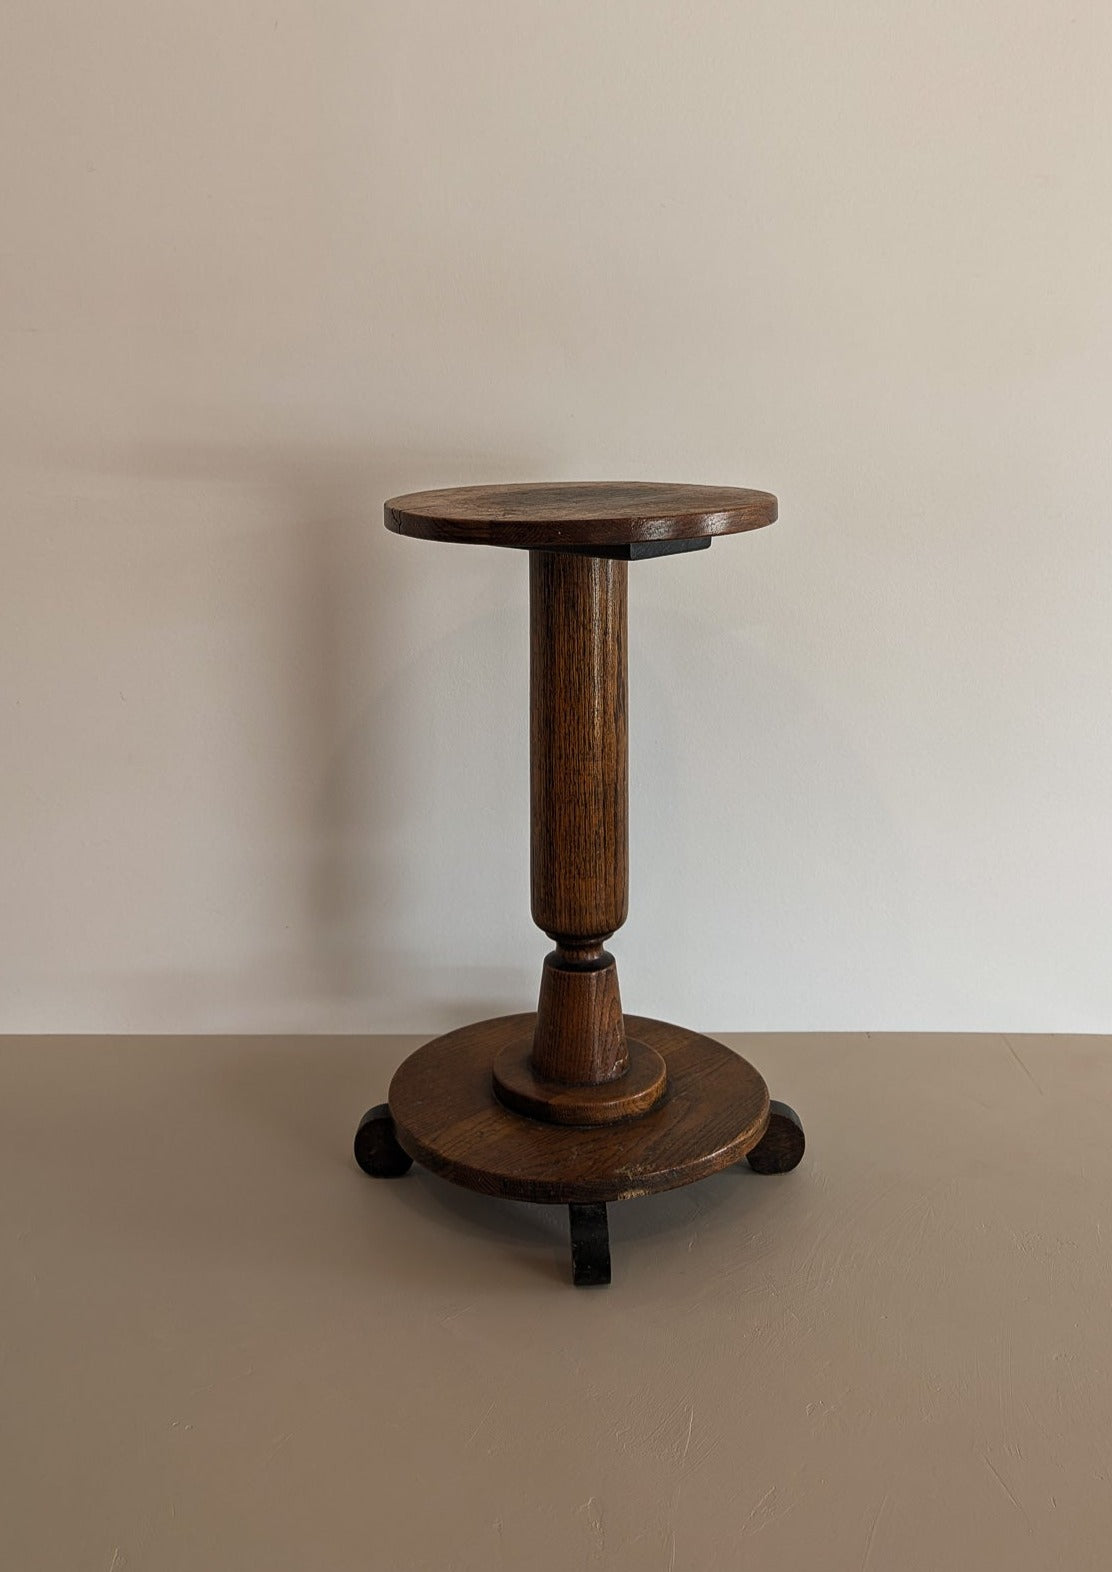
x=447, y=1119
x=578, y=751
x=589, y=514
x=643, y=1084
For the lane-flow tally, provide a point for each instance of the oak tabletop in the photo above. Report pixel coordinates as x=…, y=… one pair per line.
x=578, y=514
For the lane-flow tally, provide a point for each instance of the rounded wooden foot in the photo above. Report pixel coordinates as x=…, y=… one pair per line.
x=590, y=1245
x=376, y=1145
x=781, y=1147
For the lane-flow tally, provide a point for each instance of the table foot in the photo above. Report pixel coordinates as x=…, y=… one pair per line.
x=781, y=1147
x=376, y=1145
x=590, y=1244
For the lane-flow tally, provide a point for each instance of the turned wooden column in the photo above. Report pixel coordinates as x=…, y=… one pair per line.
x=580, y=844
x=578, y=1066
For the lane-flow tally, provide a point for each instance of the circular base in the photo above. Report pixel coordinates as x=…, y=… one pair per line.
x=448, y=1119
x=517, y=1087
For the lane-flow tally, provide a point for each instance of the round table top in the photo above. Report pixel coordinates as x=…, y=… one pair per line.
x=569, y=514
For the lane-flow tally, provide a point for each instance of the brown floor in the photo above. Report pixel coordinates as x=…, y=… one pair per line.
x=223, y=1349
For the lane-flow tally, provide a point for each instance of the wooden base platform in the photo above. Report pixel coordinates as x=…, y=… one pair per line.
x=447, y=1118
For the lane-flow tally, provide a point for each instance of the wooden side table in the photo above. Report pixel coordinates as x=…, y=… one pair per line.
x=578, y=1104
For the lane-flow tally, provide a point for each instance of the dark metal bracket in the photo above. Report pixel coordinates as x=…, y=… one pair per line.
x=638, y=551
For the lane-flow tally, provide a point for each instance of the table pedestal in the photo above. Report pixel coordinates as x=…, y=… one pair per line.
x=578, y=1103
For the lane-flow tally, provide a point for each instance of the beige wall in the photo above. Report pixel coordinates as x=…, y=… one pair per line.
x=264, y=766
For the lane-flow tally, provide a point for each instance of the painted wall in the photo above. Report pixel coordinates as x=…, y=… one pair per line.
x=264, y=766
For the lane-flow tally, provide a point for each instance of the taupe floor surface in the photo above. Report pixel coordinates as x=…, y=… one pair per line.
x=222, y=1349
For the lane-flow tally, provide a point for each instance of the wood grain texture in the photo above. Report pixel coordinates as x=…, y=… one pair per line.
x=578, y=748
x=580, y=1039
x=564, y=514
x=580, y=842
x=447, y=1119
x=641, y=1086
